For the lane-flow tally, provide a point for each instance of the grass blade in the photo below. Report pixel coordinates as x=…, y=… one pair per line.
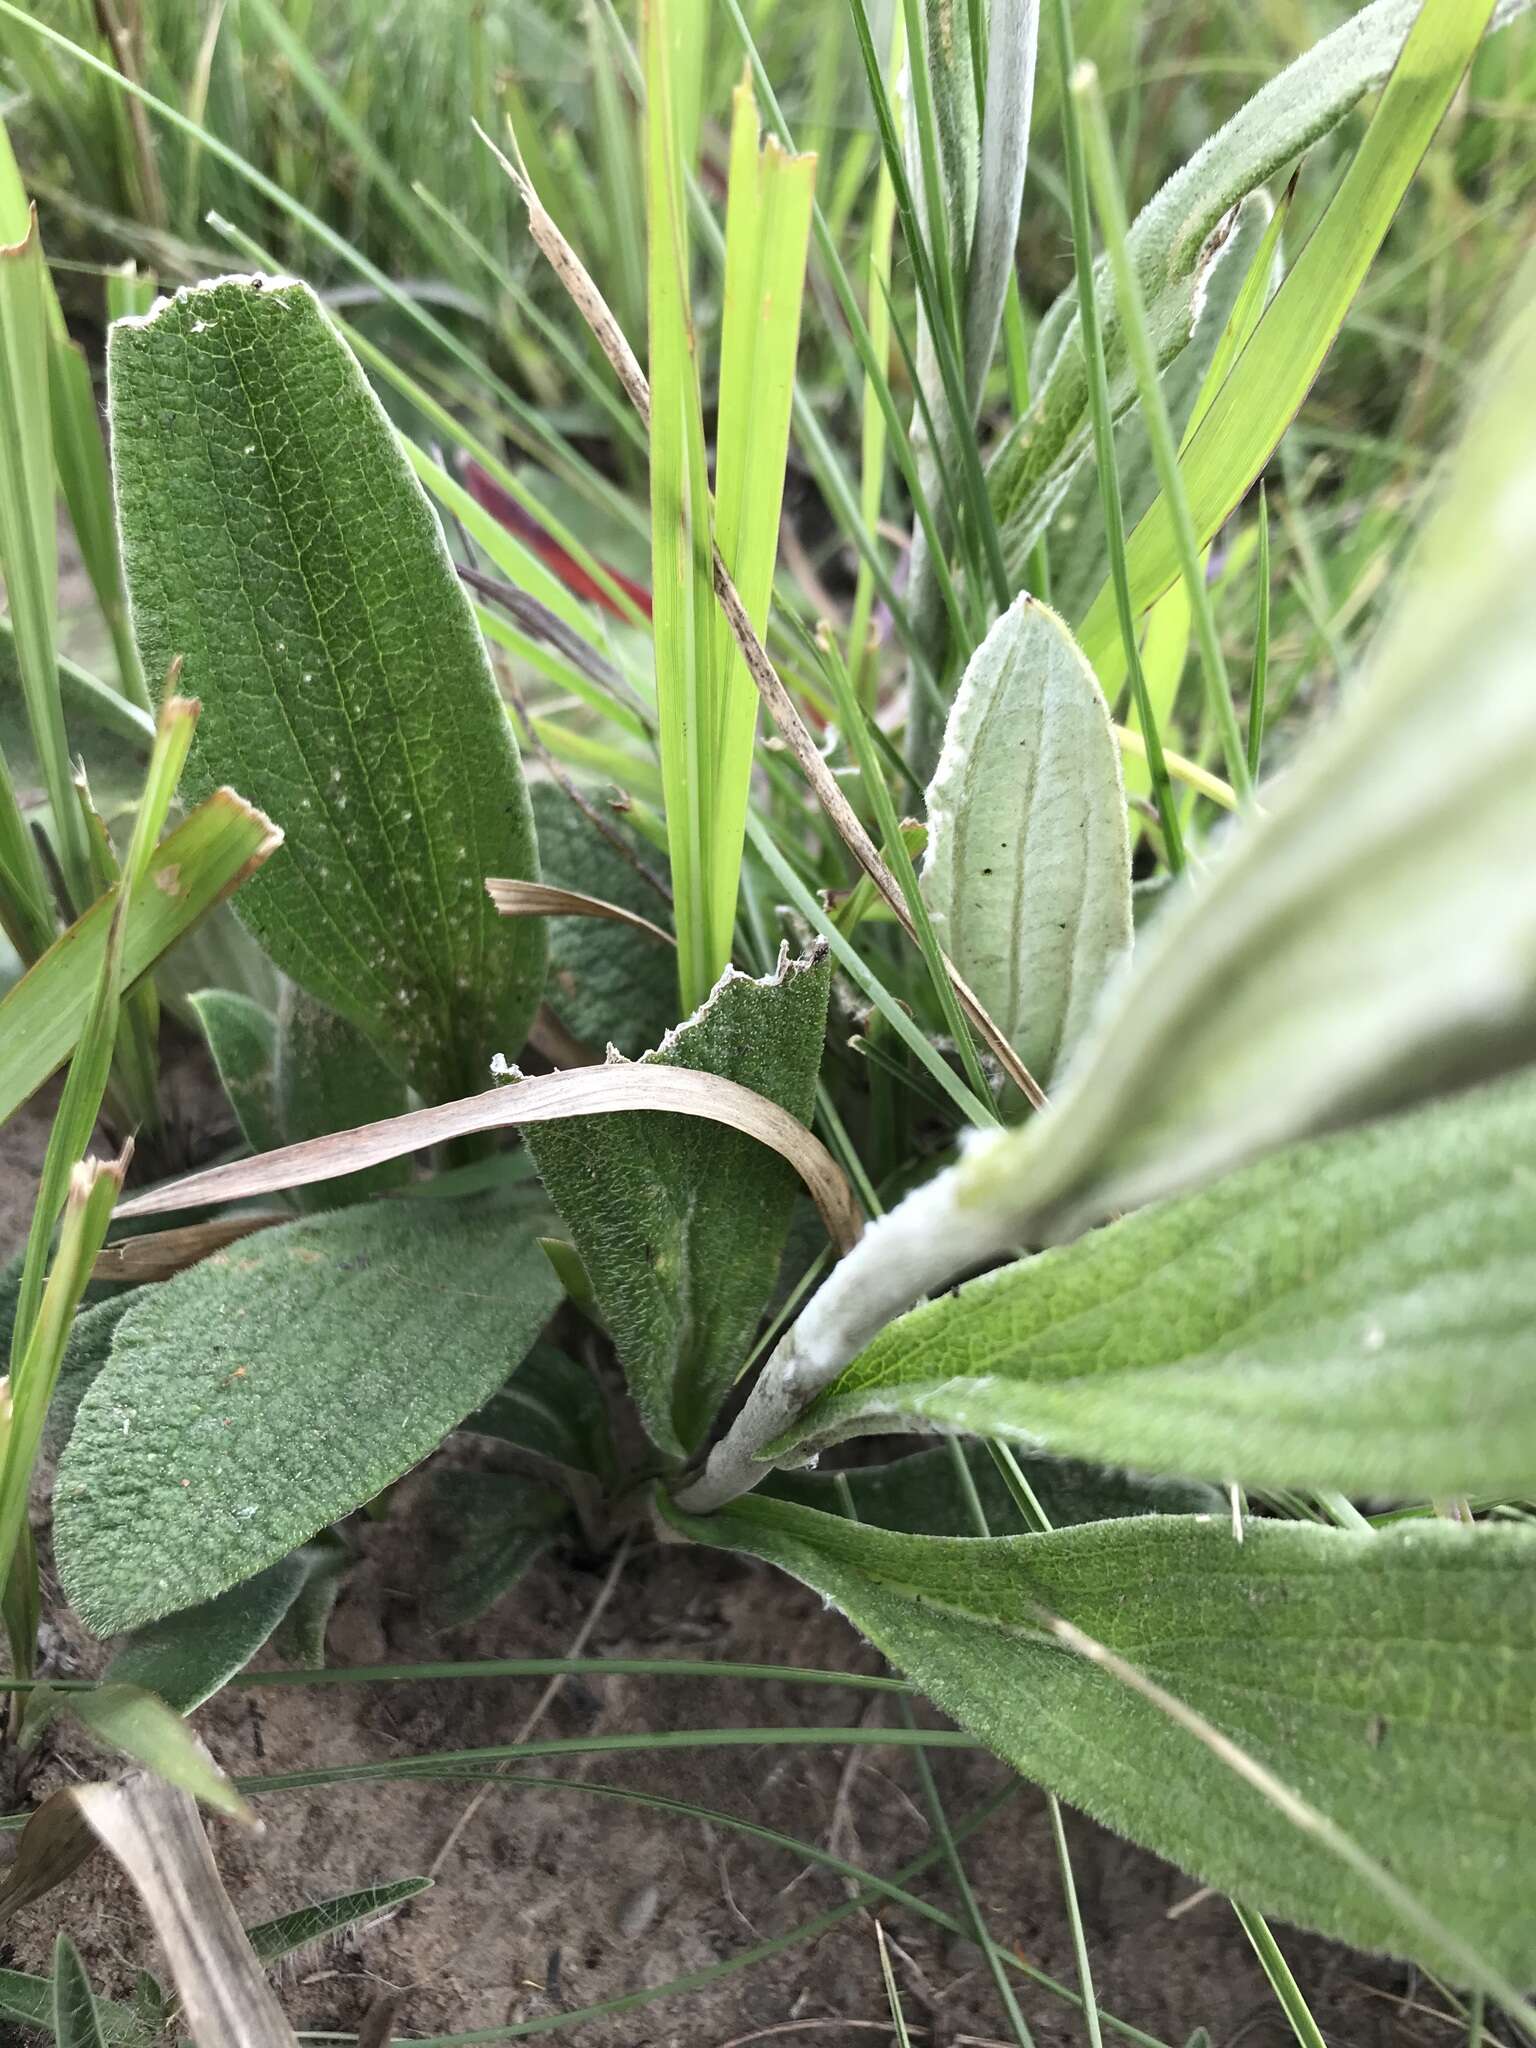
x=1274, y=373
x=1104, y=449
x=768, y=224
x=154, y=1832
x=201, y=862
x=681, y=532
x=1104, y=177
x=28, y=535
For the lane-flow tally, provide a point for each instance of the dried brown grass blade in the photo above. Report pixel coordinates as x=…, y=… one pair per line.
x=544, y=1098
x=543, y=899
x=594, y=309
x=153, y=1830
x=165, y=1253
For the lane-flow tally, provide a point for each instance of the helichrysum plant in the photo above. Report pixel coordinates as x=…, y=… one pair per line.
x=1193, y=1213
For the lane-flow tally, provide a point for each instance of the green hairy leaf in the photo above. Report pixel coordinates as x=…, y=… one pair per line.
x=184, y=1658
x=1340, y=1661
x=924, y=1494
x=29, y=2001
x=274, y=536
x=242, y=1037
x=328, y=1077
x=1358, y=1313
x=553, y=1407
x=608, y=983
x=277, y=1386
x=1028, y=871
x=1174, y=241
x=1368, y=943
x=681, y=1226
x=299, y=1637
x=491, y=1527
x=1373, y=939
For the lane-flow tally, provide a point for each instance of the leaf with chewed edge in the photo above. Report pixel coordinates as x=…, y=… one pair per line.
x=680, y=1226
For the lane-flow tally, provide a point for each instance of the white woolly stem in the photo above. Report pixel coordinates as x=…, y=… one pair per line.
x=922, y=1244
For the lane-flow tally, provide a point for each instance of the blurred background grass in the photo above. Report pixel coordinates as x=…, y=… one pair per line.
x=360, y=111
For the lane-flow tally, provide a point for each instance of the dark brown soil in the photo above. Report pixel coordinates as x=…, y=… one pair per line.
x=554, y=1901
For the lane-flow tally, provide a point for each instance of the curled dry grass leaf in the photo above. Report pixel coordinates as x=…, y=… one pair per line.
x=542, y=899
x=541, y=1098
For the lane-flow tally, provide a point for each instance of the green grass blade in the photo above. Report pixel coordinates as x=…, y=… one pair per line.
x=872, y=429
x=1105, y=179
x=681, y=533
x=1104, y=449
x=856, y=725
x=1013, y=36
x=976, y=1111
x=91, y=1063
x=1278, y=1971
x=1259, y=682
x=87, y=485
x=1274, y=373
x=768, y=224
x=93, y=1188
x=205, y=858
x=29, y=550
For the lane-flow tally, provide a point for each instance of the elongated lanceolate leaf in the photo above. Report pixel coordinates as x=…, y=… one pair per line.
x=277, y=1386
x=1028, y=873
x=29, y=2000
x=75, y=2020
x=242, y=1036
x=1174, y=241
x=681, y=1226
x=1340, y=1661
x=553, y=1408
x=490, y=1528
x=271, y=1940
x=275, y=537
x=1357, y=1314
